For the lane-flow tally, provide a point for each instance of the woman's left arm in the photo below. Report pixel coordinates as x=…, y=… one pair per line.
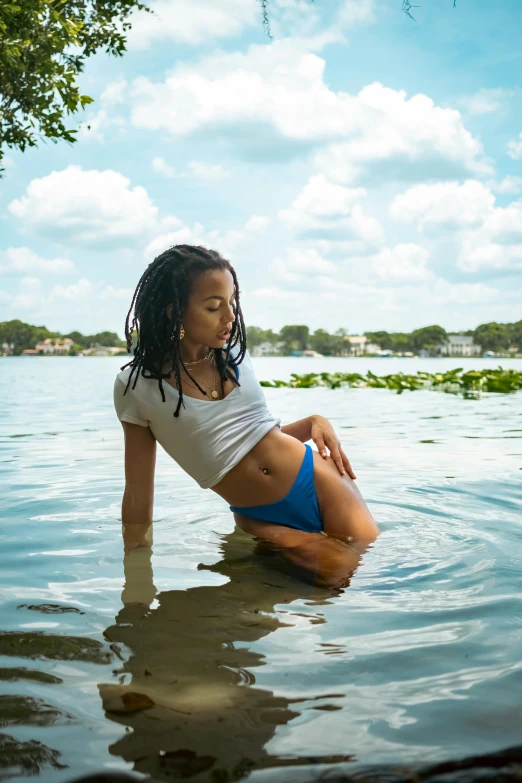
x=319, y=429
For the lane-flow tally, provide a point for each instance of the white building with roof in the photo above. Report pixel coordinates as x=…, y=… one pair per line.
x=460, y=345
x=359, y=345
x=54, y=347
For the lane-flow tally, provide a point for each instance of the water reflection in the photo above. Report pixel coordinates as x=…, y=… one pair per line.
x=187, y=689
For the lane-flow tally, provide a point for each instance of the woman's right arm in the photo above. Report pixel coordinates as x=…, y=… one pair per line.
x=138, y=498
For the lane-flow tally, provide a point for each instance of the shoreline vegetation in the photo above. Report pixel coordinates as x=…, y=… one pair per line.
x=487, y=340
x=470, y=384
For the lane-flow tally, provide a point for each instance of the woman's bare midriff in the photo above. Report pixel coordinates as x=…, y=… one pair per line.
x=343, y=510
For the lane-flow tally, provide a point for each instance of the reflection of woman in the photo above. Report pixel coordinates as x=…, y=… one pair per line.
x=192, y=700
x=191, y=354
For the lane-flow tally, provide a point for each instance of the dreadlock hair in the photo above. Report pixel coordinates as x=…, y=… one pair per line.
x=168, y=280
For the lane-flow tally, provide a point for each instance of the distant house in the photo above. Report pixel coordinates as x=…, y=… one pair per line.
x=54, y=347
x=267, y=349
x=263, y=349
x=7, y=349
x=459, y=345
x=30, y=352
x=359, y=344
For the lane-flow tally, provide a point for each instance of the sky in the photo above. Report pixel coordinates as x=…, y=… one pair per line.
x=360, y=169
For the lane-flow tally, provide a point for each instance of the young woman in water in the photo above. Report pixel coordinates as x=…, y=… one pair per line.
x=191, y=386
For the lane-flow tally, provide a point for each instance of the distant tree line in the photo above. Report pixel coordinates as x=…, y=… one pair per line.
x=22, y=336
x=490, y=336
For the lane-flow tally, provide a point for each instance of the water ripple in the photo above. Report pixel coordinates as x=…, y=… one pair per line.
x=217, y=648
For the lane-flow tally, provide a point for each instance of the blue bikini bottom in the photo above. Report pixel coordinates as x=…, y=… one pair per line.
x=299, y=509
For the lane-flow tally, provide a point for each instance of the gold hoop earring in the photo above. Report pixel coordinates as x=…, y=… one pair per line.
x=181, y=334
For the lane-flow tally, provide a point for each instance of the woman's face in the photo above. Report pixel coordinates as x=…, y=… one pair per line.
x=209, y=314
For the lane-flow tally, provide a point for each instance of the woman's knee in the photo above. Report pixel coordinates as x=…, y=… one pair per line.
x=344, y=512
x=279, y=535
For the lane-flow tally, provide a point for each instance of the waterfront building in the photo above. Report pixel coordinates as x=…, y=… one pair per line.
x=459, y=345
x=54, y=346
x=359, y=345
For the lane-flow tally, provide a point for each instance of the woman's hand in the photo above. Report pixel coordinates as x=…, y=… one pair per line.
x=323, y=435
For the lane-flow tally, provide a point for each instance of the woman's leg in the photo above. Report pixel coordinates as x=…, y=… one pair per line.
x=317, y=558
x=329, y=558
x=344, y=513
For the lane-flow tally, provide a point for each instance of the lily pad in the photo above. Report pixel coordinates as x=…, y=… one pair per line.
x=53, y=647
x=50, y=608
x=19, y=758
x=27, y=711
x=21, y=673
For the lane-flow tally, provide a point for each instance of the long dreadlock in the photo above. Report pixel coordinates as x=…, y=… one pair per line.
x=168, y=280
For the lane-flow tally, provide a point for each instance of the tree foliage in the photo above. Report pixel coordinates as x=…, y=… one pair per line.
x=494, y=337
x=491, y=337
x=43, y=48
x=22, y=336
x=428, y=338
x=295, y=337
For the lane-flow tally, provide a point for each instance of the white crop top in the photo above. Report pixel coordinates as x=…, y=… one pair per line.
x=207, y=439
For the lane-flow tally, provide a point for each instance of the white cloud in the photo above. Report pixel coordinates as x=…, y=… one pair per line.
x=354, y=12
x=514, y=148
x=22, y=260
x=306, y=268
x=396, y=138
x=404, y=263
x=209, y=171
x=76, y=291
x=196, y=22
x=476, y=256
x=228, y=243
x=487, y=101
x=160, y=166
x=496, y=245
x=112, y=293
x=28, y=295
x=360, y=306
x=87, y=207
x=114, y=92
x=197, y=168
x=325, y=213
x=91, y=128
x=445, y=205
x=192, y=22
x=98, y=304
x=300, y=263
x=488, y=238
x=320, y=200
x=257, y=223
x=272, y=103
x=509, y=184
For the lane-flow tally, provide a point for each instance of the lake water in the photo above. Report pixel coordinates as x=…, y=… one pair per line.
x=419, y=659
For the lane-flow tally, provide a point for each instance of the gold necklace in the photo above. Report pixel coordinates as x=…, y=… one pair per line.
x=213, y=392
x=198, y=361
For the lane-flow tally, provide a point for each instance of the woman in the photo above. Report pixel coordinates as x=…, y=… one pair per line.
x=191, y=386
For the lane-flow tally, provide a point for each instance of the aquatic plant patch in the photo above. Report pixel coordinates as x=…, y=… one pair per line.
x=470, y=383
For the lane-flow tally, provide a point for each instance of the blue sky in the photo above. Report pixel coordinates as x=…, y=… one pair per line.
x=360, y=170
